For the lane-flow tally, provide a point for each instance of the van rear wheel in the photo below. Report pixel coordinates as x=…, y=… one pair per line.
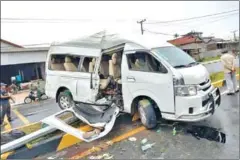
x=147, y=114
x=65, y=100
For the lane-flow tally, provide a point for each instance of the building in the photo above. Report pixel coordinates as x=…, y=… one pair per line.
x=200, y=47
x=17, y=60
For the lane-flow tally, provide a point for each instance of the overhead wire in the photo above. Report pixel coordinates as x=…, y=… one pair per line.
x=189, y=27
x=207, y=23
x=180, y=23
x=185, y=19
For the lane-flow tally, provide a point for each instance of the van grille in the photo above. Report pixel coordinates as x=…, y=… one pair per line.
x=205, y=85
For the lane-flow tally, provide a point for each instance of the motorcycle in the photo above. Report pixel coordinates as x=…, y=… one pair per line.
x=33, y=97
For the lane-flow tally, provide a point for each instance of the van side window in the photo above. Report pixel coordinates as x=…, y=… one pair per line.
x=56, y=63
x=64, y=63
x=88, y=64
x=143, y=61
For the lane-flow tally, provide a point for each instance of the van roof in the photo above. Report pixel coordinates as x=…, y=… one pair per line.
x=105, y=40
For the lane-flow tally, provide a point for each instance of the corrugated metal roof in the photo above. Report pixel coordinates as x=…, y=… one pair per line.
x=184, y=40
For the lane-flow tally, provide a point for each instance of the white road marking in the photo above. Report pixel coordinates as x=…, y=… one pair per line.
x=224, y=92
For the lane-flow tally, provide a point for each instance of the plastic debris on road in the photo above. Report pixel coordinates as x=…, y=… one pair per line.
x=104, y=156
x=144, y=141
x=132, y=139
x=158, y=131
x=174, y=131
x=51, y=157
x=147, y=146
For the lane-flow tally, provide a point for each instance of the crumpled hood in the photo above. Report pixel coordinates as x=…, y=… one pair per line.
x=195, y=74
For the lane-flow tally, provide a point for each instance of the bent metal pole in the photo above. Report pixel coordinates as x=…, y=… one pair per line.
x=25, y=139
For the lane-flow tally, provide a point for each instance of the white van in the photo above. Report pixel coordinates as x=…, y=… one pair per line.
x=97, y=77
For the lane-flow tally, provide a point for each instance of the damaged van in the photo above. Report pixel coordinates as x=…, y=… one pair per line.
x=100, y=76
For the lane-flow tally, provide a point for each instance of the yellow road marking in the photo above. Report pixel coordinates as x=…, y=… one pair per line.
x=8, y=125
x=21, y=117
x=69, y=140
x=20, y=127
x=109, y=143
x=5, y=155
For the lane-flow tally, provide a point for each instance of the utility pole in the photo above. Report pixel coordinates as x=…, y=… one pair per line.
x=234, y=35
x=141, y=23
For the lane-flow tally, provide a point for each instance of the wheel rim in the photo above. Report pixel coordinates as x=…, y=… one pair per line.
x=64, y=102
x=142, y=115
x=28, y=100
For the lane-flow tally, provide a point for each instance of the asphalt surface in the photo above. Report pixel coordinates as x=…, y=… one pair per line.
x=33, y=112
x=167, y=145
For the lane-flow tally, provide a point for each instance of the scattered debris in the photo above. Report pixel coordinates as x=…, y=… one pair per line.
x=211, y=134
x=90, y=134
x=132, y=139
x=104, y=156
x=174, y=131
x=51, y=157
x=12, y=135
x=158, y=131
x=147, y=146
x=144, y=141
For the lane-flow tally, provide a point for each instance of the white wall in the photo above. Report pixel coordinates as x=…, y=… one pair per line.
x=10, y=58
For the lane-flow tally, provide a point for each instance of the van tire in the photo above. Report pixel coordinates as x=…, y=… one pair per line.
x=147, y=114
x=65, y=98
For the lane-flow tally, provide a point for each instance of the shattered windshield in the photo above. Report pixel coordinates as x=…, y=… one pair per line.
x=175, y=56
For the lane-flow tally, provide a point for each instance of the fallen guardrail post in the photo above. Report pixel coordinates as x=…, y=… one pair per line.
x=27, y=138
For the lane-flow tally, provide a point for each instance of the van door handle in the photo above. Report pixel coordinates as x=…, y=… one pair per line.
x=130, y=79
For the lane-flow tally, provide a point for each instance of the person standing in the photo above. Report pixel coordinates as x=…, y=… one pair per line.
x=4, y=103
x=228, y=61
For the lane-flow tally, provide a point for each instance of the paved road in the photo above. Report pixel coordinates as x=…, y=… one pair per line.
x=167, y=146
x=30, y=113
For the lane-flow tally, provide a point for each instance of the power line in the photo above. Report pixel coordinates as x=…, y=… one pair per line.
x=185, y=19
x=166, y=34
x=210, y=22
x=193, y=21
x=52, y=20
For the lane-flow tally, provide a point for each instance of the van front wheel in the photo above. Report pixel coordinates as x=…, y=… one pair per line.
x=65, y=100
x=147, y=114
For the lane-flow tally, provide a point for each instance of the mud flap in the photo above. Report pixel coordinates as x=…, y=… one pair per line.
x=61, y=125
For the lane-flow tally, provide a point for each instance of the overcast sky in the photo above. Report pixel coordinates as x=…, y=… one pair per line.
x=120, y=16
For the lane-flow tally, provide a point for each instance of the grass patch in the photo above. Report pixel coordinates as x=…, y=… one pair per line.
x=219, y=76
x=207, y=59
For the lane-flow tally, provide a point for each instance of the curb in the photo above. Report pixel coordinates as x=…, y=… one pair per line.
x=222, y=83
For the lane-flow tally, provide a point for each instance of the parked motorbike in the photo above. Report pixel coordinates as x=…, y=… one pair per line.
x=33, y=97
